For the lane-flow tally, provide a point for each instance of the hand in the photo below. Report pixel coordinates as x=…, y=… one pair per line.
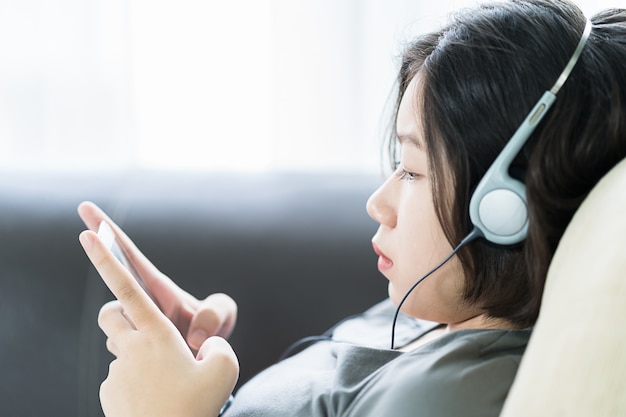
x=195, y=319
x=154, y=373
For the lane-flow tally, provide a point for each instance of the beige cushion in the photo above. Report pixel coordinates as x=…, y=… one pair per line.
x=575, y=364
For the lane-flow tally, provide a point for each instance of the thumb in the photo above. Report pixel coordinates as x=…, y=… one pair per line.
x=217, y=355
x=219, y=368
x=217, y=349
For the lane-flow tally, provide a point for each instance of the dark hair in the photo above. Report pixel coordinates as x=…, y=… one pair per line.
x=480, y=76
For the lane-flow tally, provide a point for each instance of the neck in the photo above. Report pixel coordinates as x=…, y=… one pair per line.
x=481, y=321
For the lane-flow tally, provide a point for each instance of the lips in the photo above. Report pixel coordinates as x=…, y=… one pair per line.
x=384, y=263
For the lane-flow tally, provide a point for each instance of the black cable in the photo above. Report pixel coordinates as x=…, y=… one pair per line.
x=474, y=234
x=309, y=340
x=327, y=335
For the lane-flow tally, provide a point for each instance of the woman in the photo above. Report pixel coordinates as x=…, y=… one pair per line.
x=462, y=93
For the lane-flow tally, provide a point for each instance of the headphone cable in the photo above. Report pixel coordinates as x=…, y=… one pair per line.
x=474, y=234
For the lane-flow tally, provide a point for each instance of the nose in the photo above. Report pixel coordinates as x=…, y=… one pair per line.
x=380, y=206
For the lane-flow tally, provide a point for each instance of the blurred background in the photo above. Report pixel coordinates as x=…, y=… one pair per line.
x=244, y=85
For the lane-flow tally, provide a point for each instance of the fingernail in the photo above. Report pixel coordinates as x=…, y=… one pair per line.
x=197, y=338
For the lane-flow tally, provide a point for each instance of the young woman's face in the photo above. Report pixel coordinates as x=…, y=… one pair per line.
x=410, y=240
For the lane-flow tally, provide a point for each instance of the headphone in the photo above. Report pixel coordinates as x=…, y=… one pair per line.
x=498, y=205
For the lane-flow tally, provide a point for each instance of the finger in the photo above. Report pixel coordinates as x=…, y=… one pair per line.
x=114, y=324
x=220, y=357
x=112, y=319
x=136, y=303
x=112, y=347
x=220, y=370
x=92, y=215
x=216, y=316
x=221, y=367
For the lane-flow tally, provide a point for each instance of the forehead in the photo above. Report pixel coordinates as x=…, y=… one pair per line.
x=408, y=122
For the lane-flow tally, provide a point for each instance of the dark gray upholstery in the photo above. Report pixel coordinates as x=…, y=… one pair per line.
x=292, y=249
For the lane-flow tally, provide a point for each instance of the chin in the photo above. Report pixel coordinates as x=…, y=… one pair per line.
x=397, y=296
x=416, y=309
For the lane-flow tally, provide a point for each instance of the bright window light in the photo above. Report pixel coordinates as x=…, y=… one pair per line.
x=246, y=85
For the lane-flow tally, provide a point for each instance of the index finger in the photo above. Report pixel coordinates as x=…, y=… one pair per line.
x=92, y=215
x=136, y=302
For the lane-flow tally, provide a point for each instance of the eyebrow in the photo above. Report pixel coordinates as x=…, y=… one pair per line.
x=404, y=138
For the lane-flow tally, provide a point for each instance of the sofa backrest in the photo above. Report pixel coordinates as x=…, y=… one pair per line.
x=575, y=364
x=292, y=249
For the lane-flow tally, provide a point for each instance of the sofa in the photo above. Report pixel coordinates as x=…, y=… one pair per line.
x=293, y=249
x=575, y=362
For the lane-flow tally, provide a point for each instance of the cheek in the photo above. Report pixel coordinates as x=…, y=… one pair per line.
x=437, y=298
x=414, y=259
x=422, y=244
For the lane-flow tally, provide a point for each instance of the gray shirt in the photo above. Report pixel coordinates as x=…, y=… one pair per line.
x=462, y=373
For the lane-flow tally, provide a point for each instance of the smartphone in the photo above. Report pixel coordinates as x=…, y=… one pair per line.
x=107, y=236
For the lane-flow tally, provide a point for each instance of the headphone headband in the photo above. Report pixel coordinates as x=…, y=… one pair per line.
x=573, y=60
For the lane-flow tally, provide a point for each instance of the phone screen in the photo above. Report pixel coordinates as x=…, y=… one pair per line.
x=106, y=234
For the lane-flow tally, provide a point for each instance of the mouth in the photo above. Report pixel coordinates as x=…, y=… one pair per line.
x=384, y=263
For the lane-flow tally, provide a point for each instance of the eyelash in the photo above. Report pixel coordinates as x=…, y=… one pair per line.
x=403, y=174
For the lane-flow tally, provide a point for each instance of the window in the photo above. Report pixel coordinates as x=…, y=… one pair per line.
x=201, y=84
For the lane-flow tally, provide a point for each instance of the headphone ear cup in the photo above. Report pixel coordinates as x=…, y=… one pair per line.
x=498, y=204
x=503, y=212
x=498, y=210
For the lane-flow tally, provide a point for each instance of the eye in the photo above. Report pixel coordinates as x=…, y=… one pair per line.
x=403, y=174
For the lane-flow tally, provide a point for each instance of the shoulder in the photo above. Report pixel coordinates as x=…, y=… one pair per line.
x=372, y=328
x=465, y=373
